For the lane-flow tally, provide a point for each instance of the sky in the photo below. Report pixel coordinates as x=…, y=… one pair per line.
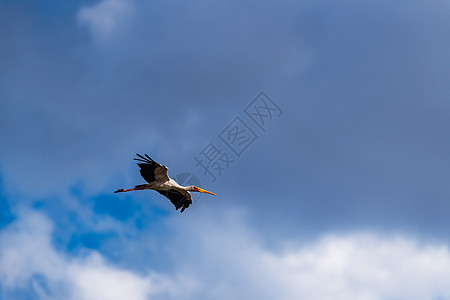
x=322, y=126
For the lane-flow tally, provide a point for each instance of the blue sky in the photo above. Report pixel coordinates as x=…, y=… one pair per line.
x=345, y=195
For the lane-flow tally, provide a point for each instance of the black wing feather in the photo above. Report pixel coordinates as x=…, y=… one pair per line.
x=147, y=172
x=138, y=159
x=150, y=168
x=177, y=199
x=143, y=158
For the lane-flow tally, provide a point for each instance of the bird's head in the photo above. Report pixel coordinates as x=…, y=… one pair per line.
x=197, y=189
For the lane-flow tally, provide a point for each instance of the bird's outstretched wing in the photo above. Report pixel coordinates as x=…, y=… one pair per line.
x=150, y=170
x=177, y=198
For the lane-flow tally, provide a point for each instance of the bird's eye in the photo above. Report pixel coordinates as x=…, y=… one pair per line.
x=195, y=188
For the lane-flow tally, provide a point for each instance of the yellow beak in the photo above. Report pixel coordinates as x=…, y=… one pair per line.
x=204, y=191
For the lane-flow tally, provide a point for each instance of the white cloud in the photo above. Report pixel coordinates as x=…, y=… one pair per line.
x=235, y=264
x=94, y=279
x=106, y=17
x=223, y=259
x=28, y=258
x=362, y=267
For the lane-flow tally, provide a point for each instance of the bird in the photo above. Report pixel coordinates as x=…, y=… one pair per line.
x=157, y=179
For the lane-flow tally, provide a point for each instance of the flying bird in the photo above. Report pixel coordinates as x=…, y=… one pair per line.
x=157, y=179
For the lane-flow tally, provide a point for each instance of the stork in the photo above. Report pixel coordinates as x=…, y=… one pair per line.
x=157, y=179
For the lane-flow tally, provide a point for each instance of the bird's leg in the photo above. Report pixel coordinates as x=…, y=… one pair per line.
x=123, y=190
x=136, y=188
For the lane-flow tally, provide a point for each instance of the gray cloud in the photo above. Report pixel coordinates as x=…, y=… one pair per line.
x=363, y=141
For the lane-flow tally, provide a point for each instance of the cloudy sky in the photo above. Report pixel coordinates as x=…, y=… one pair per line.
x=322, y=126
